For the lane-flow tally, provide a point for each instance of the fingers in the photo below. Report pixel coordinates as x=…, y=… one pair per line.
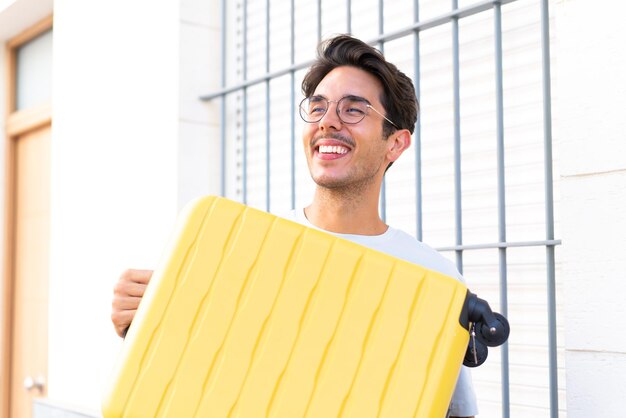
x=126, y=303
x=132, y=283
x=136, y=276
x=127, y=294
x=122, y=320
x=125, y=288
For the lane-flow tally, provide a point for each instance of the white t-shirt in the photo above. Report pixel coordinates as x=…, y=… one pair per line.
x=402, y=245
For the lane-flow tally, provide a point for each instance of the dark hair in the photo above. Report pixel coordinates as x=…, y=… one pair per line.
x=398, y=96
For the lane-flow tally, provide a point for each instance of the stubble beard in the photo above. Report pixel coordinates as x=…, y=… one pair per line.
x=352, y=187
x=346, y=186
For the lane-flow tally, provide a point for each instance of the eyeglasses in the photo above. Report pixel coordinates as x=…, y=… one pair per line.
x=350, y=109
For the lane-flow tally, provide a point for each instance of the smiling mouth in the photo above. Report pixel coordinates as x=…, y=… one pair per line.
x=332, y=149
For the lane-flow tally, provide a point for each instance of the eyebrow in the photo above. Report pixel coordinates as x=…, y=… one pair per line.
x=353, y=97
x=356, y=98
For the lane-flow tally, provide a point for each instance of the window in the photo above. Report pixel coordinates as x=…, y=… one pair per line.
x=34, y=72
x=477, y=183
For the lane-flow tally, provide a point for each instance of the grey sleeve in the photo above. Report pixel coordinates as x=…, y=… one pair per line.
x=463, y=403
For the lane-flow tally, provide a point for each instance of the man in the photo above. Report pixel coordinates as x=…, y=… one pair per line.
x=360, y=112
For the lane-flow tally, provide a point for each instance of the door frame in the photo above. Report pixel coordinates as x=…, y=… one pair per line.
x=16, y=124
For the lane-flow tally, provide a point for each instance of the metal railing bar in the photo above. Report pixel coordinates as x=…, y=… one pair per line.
x=319, y=21
x=552, y=340
x=244, y=154
x=348, y=16
x=381, y=46
x=267, y=109
x=244, y=105
x=381, y=20
x=253, y=81
x=407, y=31
x=549, y=210
x=293, y=105
x=442, y=19
x=418, y=129
x=458, y=213
x=465, y=247
x=223, y=102
x=502, y=260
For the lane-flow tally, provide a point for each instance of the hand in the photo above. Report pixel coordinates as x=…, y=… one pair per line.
x=127, y=294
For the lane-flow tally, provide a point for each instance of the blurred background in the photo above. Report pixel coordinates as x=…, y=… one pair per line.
x=116, y=114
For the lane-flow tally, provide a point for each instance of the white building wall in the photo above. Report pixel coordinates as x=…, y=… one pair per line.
x=131, y=144
x=591, y=83
x=199, y=153
x=114, y=174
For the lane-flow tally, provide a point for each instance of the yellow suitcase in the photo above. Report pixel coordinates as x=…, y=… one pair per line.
x=251, y=315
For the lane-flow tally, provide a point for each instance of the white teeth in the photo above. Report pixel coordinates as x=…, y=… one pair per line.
x=332, y=149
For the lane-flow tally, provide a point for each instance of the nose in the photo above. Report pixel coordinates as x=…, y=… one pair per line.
x=330, y=120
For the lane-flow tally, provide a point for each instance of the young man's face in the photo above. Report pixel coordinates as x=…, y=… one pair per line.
x=347, y=155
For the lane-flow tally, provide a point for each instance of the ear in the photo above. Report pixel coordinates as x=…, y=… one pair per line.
x=397, y=143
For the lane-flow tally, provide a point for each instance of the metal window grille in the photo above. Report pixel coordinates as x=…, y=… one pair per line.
x=260, y=157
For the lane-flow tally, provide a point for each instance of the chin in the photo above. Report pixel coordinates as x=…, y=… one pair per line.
x=329, y=182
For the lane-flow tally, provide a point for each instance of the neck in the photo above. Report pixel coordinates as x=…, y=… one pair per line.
x=346, y=212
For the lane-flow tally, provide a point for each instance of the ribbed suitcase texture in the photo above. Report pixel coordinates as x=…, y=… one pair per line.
x=251, y=315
